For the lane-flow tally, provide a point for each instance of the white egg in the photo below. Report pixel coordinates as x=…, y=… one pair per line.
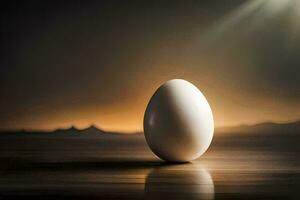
x=178, y=122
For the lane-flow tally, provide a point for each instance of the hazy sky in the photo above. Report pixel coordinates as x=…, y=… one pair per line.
x=95, y=62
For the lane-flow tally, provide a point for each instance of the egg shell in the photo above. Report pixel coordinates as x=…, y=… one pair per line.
x=178, y=122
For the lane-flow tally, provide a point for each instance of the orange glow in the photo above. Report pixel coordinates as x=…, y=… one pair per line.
x=229, y=108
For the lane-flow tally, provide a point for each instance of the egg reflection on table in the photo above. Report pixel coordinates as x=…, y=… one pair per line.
x=187, y=181
x=178, y=122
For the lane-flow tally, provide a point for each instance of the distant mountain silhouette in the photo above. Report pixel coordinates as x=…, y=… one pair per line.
x=272, y=136
x=67, y=144
x=72, y=132
x=263, y=128
x=91, y=131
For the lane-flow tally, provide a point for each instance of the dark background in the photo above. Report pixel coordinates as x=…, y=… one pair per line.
x=78, y=63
